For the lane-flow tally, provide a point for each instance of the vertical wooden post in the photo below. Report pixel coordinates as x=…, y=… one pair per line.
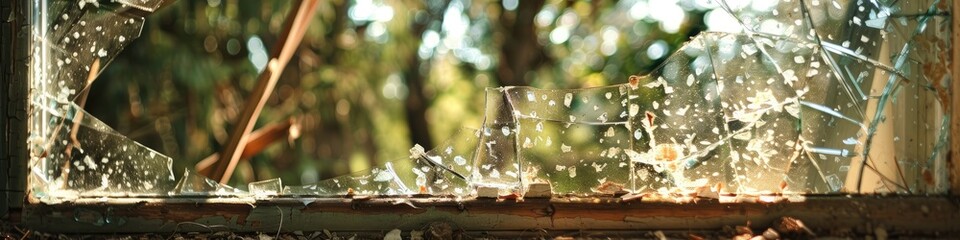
x=954, y=158
x=14, y=55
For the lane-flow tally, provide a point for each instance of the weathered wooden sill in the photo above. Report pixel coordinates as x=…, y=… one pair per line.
x=935, y=214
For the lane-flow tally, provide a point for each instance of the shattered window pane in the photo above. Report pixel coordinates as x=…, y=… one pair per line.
x=574, y=139
x=72, y=153
x=680, y=129
x=83, y=156
x=808, y=97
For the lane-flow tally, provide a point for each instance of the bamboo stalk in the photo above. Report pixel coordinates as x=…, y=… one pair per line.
x=289, y=39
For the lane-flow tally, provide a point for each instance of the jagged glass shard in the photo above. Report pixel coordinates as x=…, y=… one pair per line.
x=145, y=5
x=496, y=164
x=679, y=128
x=72, y=152
x=265, y=188
x=425, y=176
x=575, y=139
x=917, y=128
x=778, y=18
x=448, y=167
x=760, y=106
x=602, y=105
x=458, y=152
x=848, y=67
x=375, y=181
x=82, y=153
x=79, y=39
x=823, y=163
x=193, y=183
x=300, y=191
x=443, y=171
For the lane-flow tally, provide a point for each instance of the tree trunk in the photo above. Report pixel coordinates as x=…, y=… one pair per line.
x=520, y=52
x=414, y=73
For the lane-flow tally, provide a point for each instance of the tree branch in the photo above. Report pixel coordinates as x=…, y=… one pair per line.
x=293, y=32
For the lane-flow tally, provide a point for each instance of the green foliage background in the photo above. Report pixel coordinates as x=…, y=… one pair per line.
x=371, y=77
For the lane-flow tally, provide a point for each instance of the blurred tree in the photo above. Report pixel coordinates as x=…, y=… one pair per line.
x=520, y=51
x=372, y=77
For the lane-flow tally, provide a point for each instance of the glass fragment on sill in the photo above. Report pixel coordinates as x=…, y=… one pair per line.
x=83, y=154
x=194, y=184
x=300, y=191
x=575, y=139
x=422, y=175
x=375, y=181
x=496, y=163
x=457, y=153
x=447, y=169
x=442, y=171
x=265, y=188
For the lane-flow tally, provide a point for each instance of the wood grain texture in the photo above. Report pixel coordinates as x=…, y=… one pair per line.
x=954, y=158
x=926, y=214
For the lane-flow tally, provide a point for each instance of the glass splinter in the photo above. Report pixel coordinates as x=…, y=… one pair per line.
x=193, y=183
x=265, y=188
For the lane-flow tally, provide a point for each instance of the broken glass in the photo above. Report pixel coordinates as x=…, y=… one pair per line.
x=73, y=153
x=265, y=188
x=446, y=169
x=679, y=126
x=760, y=107
x=143, y=5
x=76, y=39
x=194, y=184
x=456, y=154
x=815, y=97
x=83, y=154
x=496, y=163
x=375, y=181
x=443, y=171
x=574, y=139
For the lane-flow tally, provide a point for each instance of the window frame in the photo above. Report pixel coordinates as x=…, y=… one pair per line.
x=928, y=214
x=936, y=213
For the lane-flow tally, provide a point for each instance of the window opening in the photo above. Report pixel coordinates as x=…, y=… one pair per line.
x=802, y=97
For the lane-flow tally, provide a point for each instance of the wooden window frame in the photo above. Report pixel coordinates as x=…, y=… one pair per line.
x=928, y=214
